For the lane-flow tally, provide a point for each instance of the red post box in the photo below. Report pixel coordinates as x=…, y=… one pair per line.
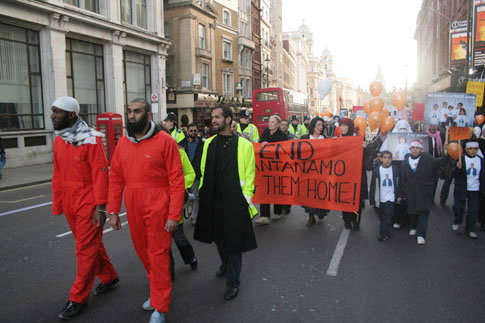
x=111, y=125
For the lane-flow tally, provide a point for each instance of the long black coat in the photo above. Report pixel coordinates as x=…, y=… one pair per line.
x=237, y=232
x=417, y=187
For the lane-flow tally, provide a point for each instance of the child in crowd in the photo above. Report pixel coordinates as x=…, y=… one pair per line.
x=469, y=177
x=385, y=178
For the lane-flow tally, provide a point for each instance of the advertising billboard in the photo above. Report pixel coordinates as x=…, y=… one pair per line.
x=479, y=34
x=453, y=109
x=458, y=41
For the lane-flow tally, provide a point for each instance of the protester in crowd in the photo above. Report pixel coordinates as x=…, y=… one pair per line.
x=316, y=132
x=194, y=148
x=284, y=127
x=80, y=192
x=295, y=127
x=416, y=187
x=469, y=177
x=352, y=219
x=385, y=180
x=247, y=128
x=3, y=157
x=435, y=148
x=146, y=166
x=170, y=122
x=271, y=134
x=227, y=187
x=305, y=127
x=481, y=217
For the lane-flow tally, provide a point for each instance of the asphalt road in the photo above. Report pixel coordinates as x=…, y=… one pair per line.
x=284, y=280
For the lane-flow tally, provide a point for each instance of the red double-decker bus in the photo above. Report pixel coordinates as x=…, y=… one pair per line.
x=277, y=100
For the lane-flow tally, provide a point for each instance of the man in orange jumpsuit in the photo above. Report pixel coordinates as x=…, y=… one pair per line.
x=147, y=166
x=80, y=191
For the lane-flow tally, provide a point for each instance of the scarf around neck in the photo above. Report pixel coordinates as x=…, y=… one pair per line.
x=439, y=144
x=79, y=134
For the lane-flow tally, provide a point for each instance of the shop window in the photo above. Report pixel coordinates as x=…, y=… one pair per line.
x=21, y=103
x=85, y=77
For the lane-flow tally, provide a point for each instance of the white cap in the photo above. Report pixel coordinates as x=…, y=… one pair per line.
x=416, y=143
x=67, y=103
x=471, y=144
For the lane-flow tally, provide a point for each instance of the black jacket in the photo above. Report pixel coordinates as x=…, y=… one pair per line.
x=277, y=136
x=461, y=180
x=197, y=157
x=417, y=187
x=375, y=183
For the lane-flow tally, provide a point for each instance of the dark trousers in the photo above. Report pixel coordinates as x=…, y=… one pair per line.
x=183, y=245
x=481, y=211
x=445, y=190
x=265, y=209
x=473, y=201
x=435, y=177
x=385, y=213
x=233, y=263
x=352, y=217
x=419, y=222
x=401, y=215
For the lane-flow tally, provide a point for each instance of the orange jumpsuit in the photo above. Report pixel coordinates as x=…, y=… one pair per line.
x=79, y=183
x=150, y=172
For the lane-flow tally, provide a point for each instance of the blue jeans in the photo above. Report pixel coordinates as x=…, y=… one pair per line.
x=473, y=199
x=385, y=213
x=419, y=222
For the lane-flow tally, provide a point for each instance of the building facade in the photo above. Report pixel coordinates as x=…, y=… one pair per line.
x=246, y=48
x=256, y=36
x=104, y=53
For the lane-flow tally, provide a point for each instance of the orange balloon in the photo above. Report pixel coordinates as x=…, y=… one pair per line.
x=376, y=104
x=328, y=114
x=367, y=107
x=375, y=88
x=399, y=99
x=385, y=112
x=479, y=118
x=374, y=120
x=454, y=150
x=360, y=122
x=387, y=124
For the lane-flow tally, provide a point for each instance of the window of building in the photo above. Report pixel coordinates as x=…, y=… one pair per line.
x=137, y=77
x=226, y=17
x=202, y=37
x=228, y=84
x=227, y=49
x=246, y=58
x=205, y=76
x=85, y=77
x=247, y=88
x=139, y=18
x=21, y=104
x=91, y=5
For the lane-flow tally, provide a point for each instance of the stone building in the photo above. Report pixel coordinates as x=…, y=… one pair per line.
x=104, y=53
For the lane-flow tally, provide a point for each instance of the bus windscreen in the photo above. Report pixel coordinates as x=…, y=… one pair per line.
x=267, y=96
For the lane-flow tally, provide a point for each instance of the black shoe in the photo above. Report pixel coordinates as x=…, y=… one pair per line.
x=221, y=272
x=70, y=310
x=194, y=264
x=231, y=293
x=382, y=238
x=102, y=288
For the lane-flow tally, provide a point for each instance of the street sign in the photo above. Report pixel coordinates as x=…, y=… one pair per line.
x=154, y=97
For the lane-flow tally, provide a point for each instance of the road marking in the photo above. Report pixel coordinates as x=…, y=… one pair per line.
x=338, y=253
x=24, y=187
x=106, y=230
x=23, y=200
x=26, y=208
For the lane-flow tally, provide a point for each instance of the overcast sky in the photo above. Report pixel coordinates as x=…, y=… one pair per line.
x=361, y=35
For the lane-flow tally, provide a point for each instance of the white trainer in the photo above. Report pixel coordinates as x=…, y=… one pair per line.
x=262, y=220
x=146, y=306
x=455, y=227
x=412, y=232
x=421, y=240
x=473, y=235
x=157, y=317
x=396, y=225
x=276, y=217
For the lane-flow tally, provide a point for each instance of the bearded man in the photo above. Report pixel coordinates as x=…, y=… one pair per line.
x=80, y=191
x=146, y=165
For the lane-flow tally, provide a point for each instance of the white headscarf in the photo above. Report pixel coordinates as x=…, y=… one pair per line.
x=402, y=126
